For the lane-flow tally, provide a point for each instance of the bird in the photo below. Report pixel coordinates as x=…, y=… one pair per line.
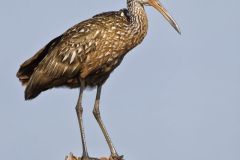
x=85, y=55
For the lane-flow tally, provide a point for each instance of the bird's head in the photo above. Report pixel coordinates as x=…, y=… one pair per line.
x=158, y=6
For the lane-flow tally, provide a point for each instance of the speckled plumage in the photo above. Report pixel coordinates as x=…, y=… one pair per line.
x=86, y=54
x=89, y=51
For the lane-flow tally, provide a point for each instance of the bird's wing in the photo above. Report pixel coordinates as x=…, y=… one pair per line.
x=112, y=46
x=82, y=43
x=64, y=61
x=67, y=59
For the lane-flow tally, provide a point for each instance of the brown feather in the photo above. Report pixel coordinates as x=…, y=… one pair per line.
x=26, y=69
x=88, y=51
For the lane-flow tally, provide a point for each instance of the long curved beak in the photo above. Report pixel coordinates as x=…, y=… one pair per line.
x=158, y=6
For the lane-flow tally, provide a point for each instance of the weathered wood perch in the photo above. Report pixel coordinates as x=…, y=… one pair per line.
x=72, y=157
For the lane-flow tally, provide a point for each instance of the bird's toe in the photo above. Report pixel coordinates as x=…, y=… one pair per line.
x=116, y=157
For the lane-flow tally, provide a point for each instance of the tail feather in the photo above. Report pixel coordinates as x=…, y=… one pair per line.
x=37, y=84
x=32, y=89
x=29, y=94
x=27, y=68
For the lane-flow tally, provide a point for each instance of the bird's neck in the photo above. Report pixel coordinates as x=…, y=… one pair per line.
x=138, y=18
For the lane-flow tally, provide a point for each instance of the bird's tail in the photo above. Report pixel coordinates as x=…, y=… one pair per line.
x=29, y=94
x=27, y=69
x=37, y=84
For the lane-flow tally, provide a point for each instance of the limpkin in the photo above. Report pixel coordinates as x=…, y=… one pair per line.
x=86, y=54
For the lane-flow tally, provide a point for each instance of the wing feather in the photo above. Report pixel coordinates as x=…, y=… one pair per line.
x=62, y=63
x=79, y=53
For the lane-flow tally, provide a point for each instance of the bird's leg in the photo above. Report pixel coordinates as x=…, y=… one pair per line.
x=96, y=113
x=79, y=110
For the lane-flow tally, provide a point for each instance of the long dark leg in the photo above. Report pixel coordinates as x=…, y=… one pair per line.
x=96, y=113
x=79, y=110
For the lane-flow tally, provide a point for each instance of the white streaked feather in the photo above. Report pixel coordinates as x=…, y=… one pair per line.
x=65, y=69
x=108, y=53
x=73, y=56
x=65, y=57
x=55, y=66
x=79, y=50
x=82, y=30
x=52, y=62
x=74, y=68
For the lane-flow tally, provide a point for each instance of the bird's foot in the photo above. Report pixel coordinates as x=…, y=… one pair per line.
x=112, y=157
x=116, y=157
x=72, y=157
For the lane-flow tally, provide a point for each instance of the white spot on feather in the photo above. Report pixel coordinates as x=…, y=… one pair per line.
x=79, y=50
x=122, y=14
x=97, y=32
x=90, y=43
x=73, y=57
x=74, y=68
x=109, y=59
x=104, y=36
x=99, y=57
x=55, y=66
x=52, y=62
x=88, y=58
x=108, y=53
x=65, y=69
x=82, y=30
x=65, y=57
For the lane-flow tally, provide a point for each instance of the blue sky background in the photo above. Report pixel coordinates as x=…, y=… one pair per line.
x=173, y=97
